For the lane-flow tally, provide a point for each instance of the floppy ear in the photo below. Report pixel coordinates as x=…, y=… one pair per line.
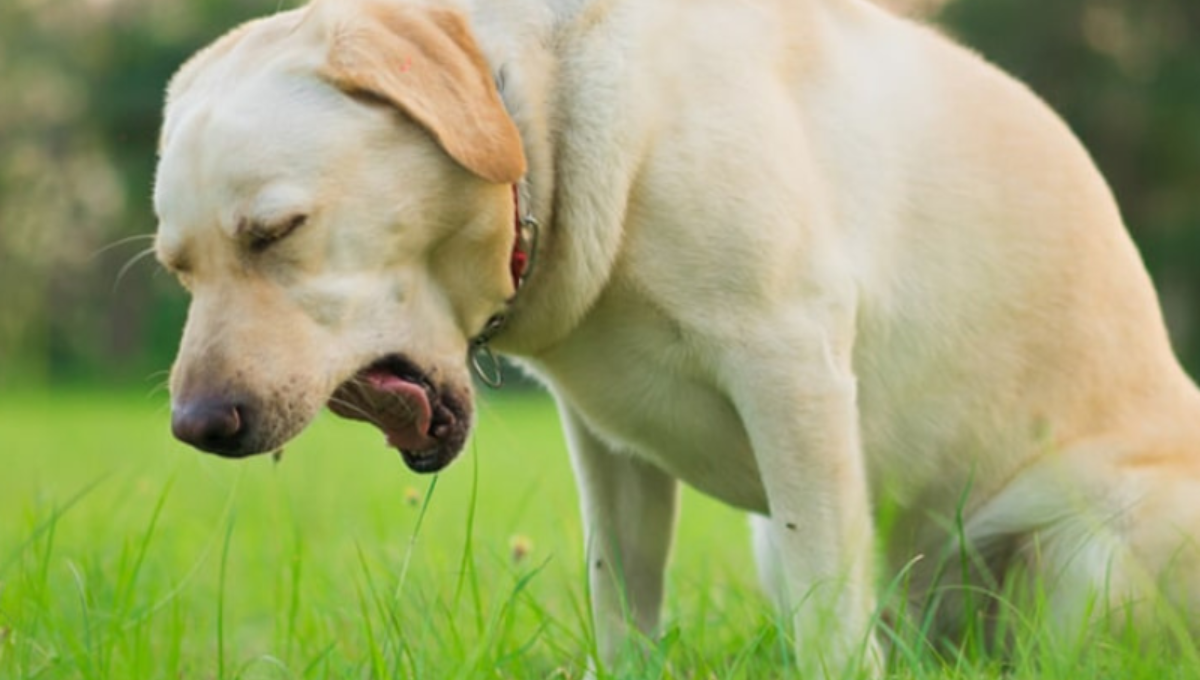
x=424, y=62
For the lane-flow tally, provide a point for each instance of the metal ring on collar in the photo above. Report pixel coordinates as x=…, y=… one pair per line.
x=486, y=365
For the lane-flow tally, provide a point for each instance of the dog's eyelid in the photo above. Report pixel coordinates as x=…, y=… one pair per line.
x=261, y=234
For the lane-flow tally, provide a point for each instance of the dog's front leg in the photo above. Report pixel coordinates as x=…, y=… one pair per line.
x=629, y=512
x=797, y=400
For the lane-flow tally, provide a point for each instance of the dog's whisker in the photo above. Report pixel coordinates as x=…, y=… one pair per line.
x=350, y=406
x=120, y=242
x=161, y=382
x=360, y=382
x=129, y=265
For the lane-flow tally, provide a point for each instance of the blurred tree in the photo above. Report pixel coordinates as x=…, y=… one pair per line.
x=1126, y=76
x=82, y=87
x=80, y=96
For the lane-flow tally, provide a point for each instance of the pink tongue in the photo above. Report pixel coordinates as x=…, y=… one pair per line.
x=411, y=434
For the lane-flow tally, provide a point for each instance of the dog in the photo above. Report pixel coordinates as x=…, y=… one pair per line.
x=805, y=256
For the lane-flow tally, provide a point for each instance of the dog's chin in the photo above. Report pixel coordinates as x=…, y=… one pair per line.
x=426, y=462
x=427, y=423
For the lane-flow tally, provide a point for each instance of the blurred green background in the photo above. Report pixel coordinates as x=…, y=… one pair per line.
x=80, y=97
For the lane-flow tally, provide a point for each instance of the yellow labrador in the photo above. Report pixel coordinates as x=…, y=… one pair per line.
x=802, y=255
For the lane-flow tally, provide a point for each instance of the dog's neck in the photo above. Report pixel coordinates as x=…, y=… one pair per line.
x=548, y=86
x=515, y=44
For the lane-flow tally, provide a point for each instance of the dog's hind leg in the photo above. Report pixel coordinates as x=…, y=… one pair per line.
x=1099, y=543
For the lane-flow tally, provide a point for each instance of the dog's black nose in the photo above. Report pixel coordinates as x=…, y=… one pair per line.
x=212, y=425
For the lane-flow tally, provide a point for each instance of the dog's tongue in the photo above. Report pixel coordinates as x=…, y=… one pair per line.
x=411, y=433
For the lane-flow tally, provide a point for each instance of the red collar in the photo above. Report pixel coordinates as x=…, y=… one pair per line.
x=525, y=243
x=483, y=361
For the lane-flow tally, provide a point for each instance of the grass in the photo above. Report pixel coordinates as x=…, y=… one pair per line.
x=125, y=555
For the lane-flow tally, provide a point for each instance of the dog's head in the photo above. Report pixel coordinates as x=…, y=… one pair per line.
x=334, y=189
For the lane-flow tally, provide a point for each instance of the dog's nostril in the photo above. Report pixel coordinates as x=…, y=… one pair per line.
x=210, y=424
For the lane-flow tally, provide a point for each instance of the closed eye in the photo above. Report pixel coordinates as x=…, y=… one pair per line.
x=259, y=236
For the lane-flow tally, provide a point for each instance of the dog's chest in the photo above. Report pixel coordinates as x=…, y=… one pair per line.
x=642, y=387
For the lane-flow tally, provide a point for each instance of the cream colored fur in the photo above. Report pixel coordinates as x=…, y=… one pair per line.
x=802, y=255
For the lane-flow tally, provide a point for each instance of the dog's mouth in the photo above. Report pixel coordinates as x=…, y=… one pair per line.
x=427, y=423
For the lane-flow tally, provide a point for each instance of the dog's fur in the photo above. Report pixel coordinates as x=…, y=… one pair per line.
x=803, y=255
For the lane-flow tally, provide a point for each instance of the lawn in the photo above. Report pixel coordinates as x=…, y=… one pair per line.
x=125, y=555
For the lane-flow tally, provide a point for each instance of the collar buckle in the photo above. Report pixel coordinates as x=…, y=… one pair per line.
x=525, y=250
